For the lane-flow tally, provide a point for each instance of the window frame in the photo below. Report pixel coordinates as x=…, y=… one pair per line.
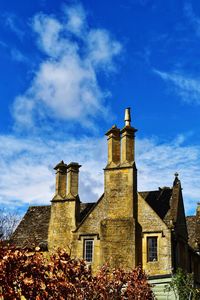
x=85, y=250
x=153, y=251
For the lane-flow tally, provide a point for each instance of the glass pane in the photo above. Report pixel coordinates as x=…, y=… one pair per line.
x=152, y=249
x=88, y=250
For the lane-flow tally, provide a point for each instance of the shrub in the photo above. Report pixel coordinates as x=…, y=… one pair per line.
x=36, y=277
x=183, y=286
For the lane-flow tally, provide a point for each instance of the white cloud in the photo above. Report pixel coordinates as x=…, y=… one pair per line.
x=48, y=31
x=66, y=96
x=187, y=88
x=102, y=48
x=27, y=175
x=76, y=19
x=65, y=85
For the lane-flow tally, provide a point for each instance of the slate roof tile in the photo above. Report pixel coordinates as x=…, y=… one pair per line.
x=33, y=228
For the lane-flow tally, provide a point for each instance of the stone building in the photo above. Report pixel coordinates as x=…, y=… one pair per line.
x=124, y=227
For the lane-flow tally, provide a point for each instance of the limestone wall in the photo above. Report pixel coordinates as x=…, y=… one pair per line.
x=62, y=223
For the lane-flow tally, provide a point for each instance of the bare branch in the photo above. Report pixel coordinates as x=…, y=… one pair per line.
x=8, y=222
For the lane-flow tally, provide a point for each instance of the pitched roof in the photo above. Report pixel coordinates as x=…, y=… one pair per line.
x=33, y=228
x=191, y=227
x=168, y=204
x=159, y=200
x=84, y=210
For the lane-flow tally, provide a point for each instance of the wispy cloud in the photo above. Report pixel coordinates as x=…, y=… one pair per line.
x=185, y=82
x=157, y=163
x=188, y=88
x=192, y=17
x=13, y=23
x=65, y=85
x=27, y=175
x=18, y=56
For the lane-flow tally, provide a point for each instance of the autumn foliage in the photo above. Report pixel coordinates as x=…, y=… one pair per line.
x=25, y=275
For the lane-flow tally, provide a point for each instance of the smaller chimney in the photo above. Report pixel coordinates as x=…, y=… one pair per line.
x=72, y=180
x=113, y=137
x=61, y=177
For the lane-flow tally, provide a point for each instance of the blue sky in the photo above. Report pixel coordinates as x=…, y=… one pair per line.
x=68, y=69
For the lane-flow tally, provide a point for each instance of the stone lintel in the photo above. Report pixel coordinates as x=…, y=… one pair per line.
x=150, y=232
x=88, y=235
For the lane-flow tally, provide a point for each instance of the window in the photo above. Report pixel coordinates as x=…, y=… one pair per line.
x=152, y=251
x=88, y=250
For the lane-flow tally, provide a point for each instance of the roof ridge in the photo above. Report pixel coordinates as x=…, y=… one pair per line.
x=31, y=206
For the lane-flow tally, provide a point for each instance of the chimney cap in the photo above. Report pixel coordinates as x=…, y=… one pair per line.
x=74, y=164
x=114, y=130
x=61, y=164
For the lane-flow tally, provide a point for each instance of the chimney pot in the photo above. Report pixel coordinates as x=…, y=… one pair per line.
x=127, y=117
